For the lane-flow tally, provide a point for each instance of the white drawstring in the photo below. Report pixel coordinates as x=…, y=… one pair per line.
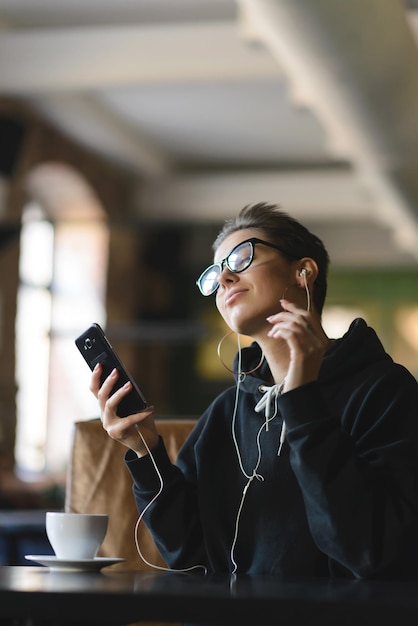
x=270, y=395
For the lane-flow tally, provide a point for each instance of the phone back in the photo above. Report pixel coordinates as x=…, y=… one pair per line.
x=95, y=348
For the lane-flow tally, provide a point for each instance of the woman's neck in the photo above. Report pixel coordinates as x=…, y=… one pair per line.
x=277, y=356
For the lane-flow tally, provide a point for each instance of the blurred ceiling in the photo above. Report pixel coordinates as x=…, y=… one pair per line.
x=212, y=104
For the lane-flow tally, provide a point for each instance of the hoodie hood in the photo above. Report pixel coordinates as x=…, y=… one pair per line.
x=355, y=350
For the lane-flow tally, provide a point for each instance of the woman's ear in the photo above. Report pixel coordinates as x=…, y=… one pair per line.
x=307, y=270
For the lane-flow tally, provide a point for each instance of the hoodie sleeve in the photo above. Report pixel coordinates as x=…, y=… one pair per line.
x=167, y=501
x=357, y=469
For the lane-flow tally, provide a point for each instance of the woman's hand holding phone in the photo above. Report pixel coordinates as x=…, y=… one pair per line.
x=125, y=430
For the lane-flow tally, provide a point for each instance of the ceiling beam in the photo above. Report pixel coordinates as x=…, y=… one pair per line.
x=84, y=119
x=356, y=65
x=42, y=60
x=321, y=196
x=337, y=205
x=213, y=197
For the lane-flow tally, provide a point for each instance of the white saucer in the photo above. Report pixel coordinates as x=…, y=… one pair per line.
x=82, y=565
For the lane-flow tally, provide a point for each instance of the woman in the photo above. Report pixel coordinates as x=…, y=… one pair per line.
x=308, y=465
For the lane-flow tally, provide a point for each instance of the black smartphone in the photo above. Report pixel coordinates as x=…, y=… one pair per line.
x=96, y=348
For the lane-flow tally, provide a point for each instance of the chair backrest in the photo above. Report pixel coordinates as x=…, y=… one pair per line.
x=99, y=482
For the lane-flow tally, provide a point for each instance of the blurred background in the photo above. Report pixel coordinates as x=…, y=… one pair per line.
x=129, y=131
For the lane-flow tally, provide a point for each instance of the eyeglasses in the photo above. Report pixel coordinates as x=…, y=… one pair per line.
x=238, y=260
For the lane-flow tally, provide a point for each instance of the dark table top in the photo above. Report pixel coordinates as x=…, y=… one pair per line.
x=13, y=521
x=122, y=597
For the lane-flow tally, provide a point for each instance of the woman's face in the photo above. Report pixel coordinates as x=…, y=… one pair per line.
x=245, y=299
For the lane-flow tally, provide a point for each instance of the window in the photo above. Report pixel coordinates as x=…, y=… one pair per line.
x=63, y=265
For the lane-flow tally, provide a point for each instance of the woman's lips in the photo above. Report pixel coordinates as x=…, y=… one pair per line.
x=232, y=295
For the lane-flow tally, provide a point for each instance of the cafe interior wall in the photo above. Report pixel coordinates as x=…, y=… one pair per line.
x=388, y=299
x=166, y=333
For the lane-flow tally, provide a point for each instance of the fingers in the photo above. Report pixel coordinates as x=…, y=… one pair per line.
x=290, y=307
x=303, y=333
x=103, y=392
x=122, y=427
x=137, y=432
x=95, y=380
x=291, y=321
x=305, y=339
x=126, y=429
x=300, y=329
x=108, y=401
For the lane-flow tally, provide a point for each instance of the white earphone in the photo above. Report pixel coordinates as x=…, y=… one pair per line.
x=304, y=272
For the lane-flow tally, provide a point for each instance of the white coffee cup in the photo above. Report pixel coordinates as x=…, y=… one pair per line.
x=75, y=536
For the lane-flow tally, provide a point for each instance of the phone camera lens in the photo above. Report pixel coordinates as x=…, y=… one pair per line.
x=88, y=343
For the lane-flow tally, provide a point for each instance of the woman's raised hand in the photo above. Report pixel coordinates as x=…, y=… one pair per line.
x=306, y=340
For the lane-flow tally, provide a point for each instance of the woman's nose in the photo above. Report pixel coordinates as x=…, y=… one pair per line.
x=226, y=276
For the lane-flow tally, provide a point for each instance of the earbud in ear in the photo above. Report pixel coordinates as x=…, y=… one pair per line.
x=304, y=273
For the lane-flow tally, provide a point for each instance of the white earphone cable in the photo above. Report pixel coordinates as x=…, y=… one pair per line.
x=254, y=474
x=161, y=481
x=308, y=294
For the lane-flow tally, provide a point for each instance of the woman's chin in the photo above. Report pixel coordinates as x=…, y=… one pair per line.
x=249, y=327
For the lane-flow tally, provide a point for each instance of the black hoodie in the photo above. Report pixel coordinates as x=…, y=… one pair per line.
x=341, y=498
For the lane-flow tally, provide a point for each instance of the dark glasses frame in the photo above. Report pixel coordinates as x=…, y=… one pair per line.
x=252, y=241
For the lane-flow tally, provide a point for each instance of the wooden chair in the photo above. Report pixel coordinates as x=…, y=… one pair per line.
x=99, y=482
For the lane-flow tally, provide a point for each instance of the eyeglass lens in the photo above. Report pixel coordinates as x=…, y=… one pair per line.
x=237, y=260
x=240, y=257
